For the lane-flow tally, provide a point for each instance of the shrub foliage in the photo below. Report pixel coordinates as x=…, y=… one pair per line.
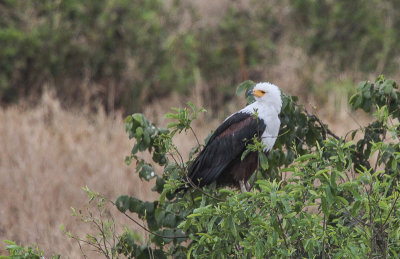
x=125, y=53
x=316, y=194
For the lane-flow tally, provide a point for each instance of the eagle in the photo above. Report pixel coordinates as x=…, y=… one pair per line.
x=221, y=159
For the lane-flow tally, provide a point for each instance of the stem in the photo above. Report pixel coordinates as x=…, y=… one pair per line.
x=80, y=247
x=283, y=232
x=323, y=237
x=148, y=230
x=200, y=190
x=198, y=143
x=326, y=129
x=105, y=250
x=387, y=218
x=371, y=225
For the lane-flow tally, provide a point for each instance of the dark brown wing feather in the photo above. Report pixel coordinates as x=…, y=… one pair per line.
x=224, y=149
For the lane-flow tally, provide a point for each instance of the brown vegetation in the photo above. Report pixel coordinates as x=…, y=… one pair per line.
x=47, y=154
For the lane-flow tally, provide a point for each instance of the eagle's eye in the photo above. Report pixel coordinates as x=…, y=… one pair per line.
x=263, y=92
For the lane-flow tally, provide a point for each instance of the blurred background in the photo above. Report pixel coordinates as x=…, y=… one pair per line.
x=71, y=70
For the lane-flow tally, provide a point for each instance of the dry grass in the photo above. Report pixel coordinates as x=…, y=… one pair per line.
x=46, y=155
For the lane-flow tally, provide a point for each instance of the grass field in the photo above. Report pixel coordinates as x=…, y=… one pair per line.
x=47, y=154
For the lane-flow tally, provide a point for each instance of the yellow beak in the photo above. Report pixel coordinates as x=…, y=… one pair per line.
x=258, y=93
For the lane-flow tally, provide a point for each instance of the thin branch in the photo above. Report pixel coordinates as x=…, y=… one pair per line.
x=199, y=189
x=362, y=223
x=283, y=232
x=80, y=247
x=394, y=205
x=105, y=250
x=198, y=142
x=79, y=240
x=354, y=119
x=322, y=125
x=387, y=218
x=146, y=229
x=194, y=185
x=104, y=238
x=371, y=225
x=323, y=236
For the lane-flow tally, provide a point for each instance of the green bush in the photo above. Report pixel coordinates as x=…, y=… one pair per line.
x=360, y=35
x=125, y=54
x=104, y=50
x=18, y=252
x=318, y=195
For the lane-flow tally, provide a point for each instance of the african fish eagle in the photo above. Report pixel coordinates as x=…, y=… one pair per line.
x=220, y=160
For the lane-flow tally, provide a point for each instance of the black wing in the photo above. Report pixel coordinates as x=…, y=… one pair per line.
x=226, y=144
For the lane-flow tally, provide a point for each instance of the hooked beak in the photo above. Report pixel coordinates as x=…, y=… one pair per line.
x=258, y=93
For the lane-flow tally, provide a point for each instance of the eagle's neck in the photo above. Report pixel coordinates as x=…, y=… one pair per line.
x=269, y=114
x=263, y=110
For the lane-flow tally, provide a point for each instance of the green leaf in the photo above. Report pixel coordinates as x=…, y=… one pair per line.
x=324, y=206
x=291, y=215
x=244, y=154
x=194, y=215
x=244, y=87
x=138, y=117
x=304, y=158
x=9, y=242
x=263, y=161
x=329, y=196
x=139, y=132
x=273, y=199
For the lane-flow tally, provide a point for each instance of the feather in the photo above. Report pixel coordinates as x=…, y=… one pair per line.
x=226, y=145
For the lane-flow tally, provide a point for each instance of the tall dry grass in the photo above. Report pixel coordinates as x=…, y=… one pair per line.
x=46, y=155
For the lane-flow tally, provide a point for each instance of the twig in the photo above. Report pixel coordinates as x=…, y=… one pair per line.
x=326, y=129
x=192, y=184
x=354, y=119
x=283, y=232
x=323, y=236
x=387, y=218
x=80, y=247
x=363, y=224
x=371, y=241
x=199, y=189
x=104, y=238
x=198, y=143
x=101, y=229
x=146, y=229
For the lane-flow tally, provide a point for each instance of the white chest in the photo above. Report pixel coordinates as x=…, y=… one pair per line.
x=271, y=132
x=272, y=123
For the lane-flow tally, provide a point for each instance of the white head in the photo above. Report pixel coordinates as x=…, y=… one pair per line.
x=269, y=94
